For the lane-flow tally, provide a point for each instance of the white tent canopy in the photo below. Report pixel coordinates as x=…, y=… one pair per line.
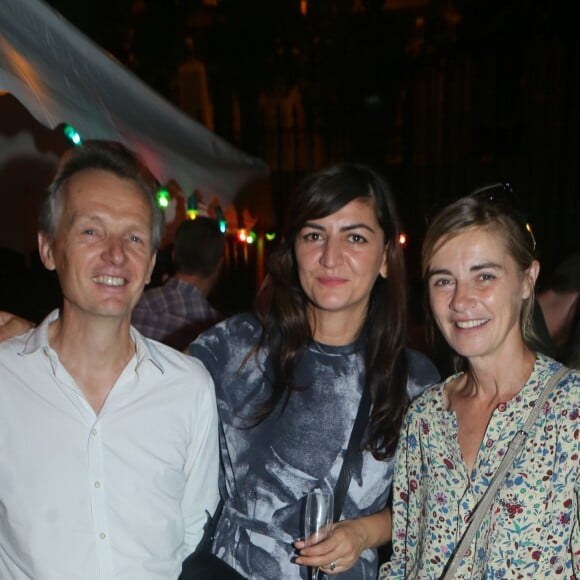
x=61, y=76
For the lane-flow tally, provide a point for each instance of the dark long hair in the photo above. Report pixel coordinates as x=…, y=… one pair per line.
x=282, y=303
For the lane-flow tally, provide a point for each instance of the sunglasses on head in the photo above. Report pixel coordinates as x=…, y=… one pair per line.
x=499, y=194
x=503, y=194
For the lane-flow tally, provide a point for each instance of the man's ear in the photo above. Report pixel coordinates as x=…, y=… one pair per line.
x=45, y=251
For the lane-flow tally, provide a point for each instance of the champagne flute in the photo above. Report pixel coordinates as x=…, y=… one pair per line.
x=318, y=517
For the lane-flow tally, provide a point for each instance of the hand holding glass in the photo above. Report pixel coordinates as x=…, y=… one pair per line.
x=318, y=518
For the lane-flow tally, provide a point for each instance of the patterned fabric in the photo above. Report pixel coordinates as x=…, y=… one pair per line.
x=269, y=468
x=532, y=529
x=174, y=313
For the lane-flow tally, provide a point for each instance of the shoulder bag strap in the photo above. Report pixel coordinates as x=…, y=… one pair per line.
x=353, y=449
x=209, y=529
x=342, y=482
x=484, y=504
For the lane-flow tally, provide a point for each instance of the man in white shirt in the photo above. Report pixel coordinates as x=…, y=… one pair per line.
x=108, y=440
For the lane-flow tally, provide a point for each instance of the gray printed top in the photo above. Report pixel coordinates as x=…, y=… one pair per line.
x=268, y=469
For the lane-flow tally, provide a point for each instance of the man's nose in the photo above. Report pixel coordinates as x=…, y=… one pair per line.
x=115, y=250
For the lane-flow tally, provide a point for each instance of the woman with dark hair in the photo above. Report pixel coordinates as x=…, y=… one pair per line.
x=487, y=476
x=330, y=324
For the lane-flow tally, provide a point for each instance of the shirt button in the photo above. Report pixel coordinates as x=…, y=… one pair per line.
x=102, y=535
x=97, y=484
x=94, y=432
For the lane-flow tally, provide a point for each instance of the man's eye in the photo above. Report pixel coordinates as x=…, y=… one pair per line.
x=135, y=238
x=312, y=236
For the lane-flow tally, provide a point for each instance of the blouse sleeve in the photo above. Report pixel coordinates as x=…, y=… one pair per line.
x=406, y=505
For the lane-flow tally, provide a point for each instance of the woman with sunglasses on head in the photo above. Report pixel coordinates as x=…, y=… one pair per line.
x=330, y=325
x=479, y=268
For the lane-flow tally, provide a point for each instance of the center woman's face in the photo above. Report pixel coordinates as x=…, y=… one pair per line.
x=339, y=258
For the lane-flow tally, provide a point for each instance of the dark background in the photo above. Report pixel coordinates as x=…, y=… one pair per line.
x=442, y=96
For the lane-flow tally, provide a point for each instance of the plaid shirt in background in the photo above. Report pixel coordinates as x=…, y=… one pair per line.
x=174, y=314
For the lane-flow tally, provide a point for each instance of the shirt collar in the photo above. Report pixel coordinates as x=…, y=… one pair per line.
x=543, y=368
x=145, y=350
x=38, y=337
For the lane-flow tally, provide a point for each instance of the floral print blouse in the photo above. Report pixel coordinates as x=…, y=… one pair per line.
x=532, y=529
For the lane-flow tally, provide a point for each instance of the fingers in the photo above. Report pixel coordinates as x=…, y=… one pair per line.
x=5, y=317
x=333, y=555
x=317, y=551
x=319, y=555
x=11, y=325
x=333, y=568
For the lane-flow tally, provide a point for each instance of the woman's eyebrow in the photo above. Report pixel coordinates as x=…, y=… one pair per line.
x=356, y=227
x=474, y=268
x=485, y=266
x=313, y=225
x=438, y=272
x=349, y=227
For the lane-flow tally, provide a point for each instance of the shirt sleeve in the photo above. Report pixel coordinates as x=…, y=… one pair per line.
x=422, y=373
x=201, y=468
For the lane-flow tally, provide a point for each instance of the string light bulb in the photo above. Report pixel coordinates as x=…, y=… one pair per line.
x=221, y=218
x=163, y=198
x=72, y=135
x=192, y=209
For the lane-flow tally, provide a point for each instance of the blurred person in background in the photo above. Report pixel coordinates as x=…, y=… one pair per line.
x=178, y=311
x=557, y=313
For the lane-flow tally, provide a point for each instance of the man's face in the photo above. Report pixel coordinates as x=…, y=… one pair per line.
x=102, y=248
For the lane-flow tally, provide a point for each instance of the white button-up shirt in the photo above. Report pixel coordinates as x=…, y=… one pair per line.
x=121, y=495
